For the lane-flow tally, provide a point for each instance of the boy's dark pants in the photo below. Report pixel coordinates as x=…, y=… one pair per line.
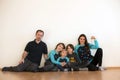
x=74, y=65
x=63, y=67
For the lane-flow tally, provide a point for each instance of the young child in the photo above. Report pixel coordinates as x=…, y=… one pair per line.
x=74, y=61
x=63, y=59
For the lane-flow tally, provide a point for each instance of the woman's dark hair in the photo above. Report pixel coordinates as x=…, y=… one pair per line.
x=60, y=44
x=70, y=45
x=86, y=41
x=39, y=31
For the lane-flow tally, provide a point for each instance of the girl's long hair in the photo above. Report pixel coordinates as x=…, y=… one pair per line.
x=60, y=44
x=86, y=41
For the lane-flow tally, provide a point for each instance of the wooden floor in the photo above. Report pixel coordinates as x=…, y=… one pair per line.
x=111, y=74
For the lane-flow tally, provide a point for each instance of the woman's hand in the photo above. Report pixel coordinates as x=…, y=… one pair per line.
x=93, y=37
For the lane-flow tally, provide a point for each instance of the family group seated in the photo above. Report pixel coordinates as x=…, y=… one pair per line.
x=62, y=58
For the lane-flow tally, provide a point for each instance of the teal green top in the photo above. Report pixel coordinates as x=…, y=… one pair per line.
x=63, y=58
x=52, y=58
x=91, y=46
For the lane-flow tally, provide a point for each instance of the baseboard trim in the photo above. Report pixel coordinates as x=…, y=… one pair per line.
x=112, y=68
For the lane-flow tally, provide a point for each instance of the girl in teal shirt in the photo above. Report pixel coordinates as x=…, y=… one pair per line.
x=51, y=62
x=83, y=51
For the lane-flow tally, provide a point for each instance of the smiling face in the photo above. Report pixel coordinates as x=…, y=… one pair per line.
x=82, y=40
x=63, y=53
x=69, y=50
x=59, y=47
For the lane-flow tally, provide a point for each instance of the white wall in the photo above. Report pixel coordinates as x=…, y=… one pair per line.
x=62, y=21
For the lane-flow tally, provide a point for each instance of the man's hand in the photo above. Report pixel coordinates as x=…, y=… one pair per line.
x=21, y=61
x=25, y=53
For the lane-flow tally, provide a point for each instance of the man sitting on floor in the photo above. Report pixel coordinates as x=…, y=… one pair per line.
x=32, y=55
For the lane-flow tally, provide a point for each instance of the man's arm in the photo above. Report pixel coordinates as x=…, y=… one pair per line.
x=23, y=57
x=45, y=56
x=45, y=52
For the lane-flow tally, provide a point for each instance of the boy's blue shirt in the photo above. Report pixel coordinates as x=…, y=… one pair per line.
x=63, y=58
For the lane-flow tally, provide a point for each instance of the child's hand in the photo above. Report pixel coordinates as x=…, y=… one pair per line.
x=63, y=64
x=93, y=37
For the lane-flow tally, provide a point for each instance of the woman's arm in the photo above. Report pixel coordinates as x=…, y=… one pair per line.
x=53, y=59
x=58, y=59
x=77, y=58
x=95, y=45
